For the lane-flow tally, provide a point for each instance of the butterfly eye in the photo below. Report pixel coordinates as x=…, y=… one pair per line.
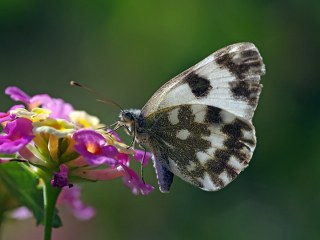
x=127, y=117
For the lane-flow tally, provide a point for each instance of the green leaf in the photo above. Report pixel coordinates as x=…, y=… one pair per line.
x=23, y=185
x=2, y=155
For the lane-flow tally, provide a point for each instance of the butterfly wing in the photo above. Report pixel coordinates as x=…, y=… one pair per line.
x=203, y=145
x=227, y=79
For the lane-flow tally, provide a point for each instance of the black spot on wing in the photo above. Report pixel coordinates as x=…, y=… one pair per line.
x=240, y=63
x=246, y=90
x=213, y=115
x=234, y=129
x=245, y=64
x=218, y=165
x=199, y=86
x=183, y=153
x=241, y=89
x=235, y=145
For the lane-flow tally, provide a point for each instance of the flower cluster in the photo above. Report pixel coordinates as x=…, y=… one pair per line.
x=69, y=146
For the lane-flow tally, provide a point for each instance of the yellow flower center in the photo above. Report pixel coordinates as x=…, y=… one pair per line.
x=92, y=148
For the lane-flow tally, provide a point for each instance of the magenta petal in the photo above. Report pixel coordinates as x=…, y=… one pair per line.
x=92, y=146
x=8, y=116
x=17, y=106
x=60, y=179
x=132, y=180
x=40, y=99
x=21, y=213
x=10, y=147
x=17, y=94
x=19, y=133
x=109, y=151
x=139, y=156
x=71, y=197
x=88, y=136
x=59, y=108
x=124, y=159
x=4, y=117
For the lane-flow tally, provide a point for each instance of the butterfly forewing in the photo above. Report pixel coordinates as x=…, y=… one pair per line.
x=204, y=145
x=227, y=79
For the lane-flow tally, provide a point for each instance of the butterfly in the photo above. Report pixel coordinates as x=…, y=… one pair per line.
x=199, y=125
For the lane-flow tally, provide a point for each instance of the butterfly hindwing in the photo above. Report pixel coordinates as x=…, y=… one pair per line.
x=228, y=79
x=203, y=145
x=164, y=176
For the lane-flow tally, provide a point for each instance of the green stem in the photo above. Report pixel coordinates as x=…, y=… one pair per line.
x=50, y=195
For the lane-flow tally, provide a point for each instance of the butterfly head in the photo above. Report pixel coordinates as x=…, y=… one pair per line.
x=128, y=119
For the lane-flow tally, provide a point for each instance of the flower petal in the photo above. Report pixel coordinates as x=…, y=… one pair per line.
x=59, y=108
x=17, y=94
x=71, y=197
x=92, y=146
x=4, y=117
x=9, y=116
x=35, y=115
x=59, y=127
x=139, y=156
x=60, y=179
x=19, y=134
x=99, y=174
x=84, y=120
x=132, y=180
x=21, y=213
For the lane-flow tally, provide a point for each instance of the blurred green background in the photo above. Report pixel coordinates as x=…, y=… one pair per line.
x=126, y=50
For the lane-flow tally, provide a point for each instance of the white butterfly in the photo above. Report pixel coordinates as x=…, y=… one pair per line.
x=199, y=124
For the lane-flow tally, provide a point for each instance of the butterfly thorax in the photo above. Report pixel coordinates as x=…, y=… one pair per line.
x=133, y=122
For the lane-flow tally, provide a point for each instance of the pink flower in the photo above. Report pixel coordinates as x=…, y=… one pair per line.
x=8, y=116
x=139, y=157
x=93, y=147
x=60, y=179
x=17, y=94
x=59, y=109
x=132, y=180
x=67, y=148
x=71, y=197
x=21, y=213
x=18, y=134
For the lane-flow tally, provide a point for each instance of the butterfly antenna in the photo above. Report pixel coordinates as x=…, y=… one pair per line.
x=101, y=97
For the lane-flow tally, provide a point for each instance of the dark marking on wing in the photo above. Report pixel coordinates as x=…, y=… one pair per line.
x=246, y=90
x=234, y=129
x=199, y=86
x=245, y=64
x=235, y=145
x=183, y=152
x=240, y=63
x=213, y=115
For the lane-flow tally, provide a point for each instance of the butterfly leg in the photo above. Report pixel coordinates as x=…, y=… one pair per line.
x=133, y=141
x=131, y=133
x=142, y=162
x=108, y=127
